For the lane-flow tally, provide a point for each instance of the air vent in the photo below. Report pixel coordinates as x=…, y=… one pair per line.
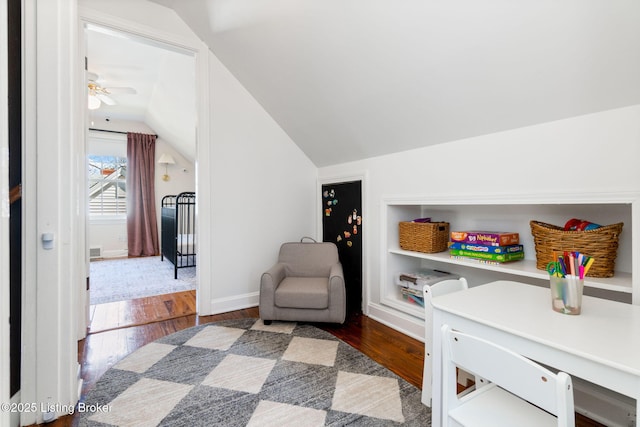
x=95, y=252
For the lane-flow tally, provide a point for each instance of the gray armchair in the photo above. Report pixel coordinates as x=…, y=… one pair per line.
x=306, y=284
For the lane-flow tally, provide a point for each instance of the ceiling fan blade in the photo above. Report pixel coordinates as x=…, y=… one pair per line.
x=104, y=98
x=121, y=90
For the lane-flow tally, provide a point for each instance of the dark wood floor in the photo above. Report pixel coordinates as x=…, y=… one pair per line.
x=122, y=328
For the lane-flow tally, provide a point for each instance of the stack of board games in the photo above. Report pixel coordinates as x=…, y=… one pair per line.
x=492, y=247
x=411, y=284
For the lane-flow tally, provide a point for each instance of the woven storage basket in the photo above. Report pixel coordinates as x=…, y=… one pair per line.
x=600, y=243
x=428, y=237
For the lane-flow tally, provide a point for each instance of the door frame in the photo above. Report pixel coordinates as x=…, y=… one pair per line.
x=203, y=177
x=366, y=211
x=4, y=223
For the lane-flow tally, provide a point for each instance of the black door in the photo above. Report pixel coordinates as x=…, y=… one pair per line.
x=15, y=192
x=342, y=225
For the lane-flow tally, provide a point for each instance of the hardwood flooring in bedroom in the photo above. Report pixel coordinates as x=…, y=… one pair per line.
x=121, y=329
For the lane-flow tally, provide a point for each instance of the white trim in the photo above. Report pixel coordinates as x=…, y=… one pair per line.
x=408, y=325
x=28, y=384
x=4, y=223
x=116, y=23
x=204, y=205
x=115, y=253
x=236, y=302
x=366, y=209
x=203, y=177
x=52, y=129
x=577, y=198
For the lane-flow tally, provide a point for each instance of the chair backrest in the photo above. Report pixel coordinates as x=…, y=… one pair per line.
x=304, y=259
x=428, y=292
x=437, y=289
x=448, y=286
x=506, y=369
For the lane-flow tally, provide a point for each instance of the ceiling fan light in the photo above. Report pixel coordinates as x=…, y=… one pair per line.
x=93, y=102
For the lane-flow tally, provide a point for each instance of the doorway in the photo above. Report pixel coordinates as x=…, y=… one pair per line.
x=134, y=84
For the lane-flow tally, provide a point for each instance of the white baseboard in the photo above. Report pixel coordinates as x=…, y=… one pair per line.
x=117, y=253
x=236, y=302
x=408, y=325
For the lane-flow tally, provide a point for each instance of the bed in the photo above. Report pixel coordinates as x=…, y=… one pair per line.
x=178, y=230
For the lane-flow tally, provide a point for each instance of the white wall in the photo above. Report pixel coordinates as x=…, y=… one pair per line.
x=182, y=176
x=263, y=190
x=596, y=153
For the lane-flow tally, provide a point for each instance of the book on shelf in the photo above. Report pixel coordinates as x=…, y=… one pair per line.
x=474, y=247
x=424, y=276
x=411, y=291
x=411, y=297
x=499, y=258
x=491, y=238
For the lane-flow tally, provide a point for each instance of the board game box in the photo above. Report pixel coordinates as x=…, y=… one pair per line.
x=486, y=248
x=516, y=256
x=491, y=238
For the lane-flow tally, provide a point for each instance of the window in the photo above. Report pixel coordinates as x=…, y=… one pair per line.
x=107, y=186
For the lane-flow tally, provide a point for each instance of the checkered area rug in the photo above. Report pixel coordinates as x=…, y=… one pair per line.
x=244, y=373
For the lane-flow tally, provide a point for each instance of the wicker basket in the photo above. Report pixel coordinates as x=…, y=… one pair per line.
x=428, y=237
x=600, y=243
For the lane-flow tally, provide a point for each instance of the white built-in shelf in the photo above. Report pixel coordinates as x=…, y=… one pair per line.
x=507, y=213
x=621, y=282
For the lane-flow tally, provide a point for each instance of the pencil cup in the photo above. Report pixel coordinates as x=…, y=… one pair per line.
x=566, y=294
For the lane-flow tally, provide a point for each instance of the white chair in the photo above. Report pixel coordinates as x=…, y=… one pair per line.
x=520, y=393
x=428, y=292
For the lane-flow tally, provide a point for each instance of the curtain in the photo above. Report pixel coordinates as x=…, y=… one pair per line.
x=142, y=225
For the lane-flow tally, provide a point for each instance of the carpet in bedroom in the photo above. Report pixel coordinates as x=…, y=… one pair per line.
x=243, y=373
x=130, y=278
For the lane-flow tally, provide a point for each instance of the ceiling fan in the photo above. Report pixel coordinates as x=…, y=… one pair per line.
x=99, y=94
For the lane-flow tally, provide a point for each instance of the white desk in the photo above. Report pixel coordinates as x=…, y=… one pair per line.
x=601, y=345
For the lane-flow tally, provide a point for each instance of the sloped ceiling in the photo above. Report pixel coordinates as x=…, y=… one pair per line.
x=351, y=79
x=162, y=77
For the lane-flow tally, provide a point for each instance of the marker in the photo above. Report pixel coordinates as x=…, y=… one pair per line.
x=572, y=265
x=588, y=266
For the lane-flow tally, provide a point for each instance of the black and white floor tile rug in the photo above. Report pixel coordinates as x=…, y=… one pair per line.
x=244, y=373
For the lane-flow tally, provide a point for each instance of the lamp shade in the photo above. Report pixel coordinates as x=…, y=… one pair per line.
x=166, y=159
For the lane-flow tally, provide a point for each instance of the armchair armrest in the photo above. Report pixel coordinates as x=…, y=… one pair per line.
x=337, y=289
x=272, y=277
x=268, y=284
x=336, y=274
x=337, y=292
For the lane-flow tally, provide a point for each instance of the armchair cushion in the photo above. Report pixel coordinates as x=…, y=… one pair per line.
x=315, y=295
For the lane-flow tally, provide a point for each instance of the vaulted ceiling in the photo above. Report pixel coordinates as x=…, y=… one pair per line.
x=147, y=82
x=351, y=79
